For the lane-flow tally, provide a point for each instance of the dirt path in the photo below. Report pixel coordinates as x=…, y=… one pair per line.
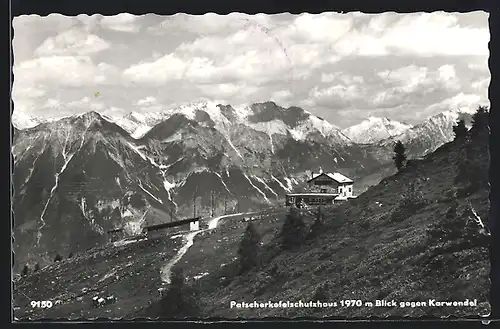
x=189, y=241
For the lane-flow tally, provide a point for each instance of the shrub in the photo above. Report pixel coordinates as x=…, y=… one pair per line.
x=25, y=270
x=448, y=228
x=70, y=255
x=411, y=200
x=58, y=258
x=321, y=293
x=316, y=228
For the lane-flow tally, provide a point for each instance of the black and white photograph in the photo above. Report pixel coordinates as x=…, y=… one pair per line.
x=319, y=166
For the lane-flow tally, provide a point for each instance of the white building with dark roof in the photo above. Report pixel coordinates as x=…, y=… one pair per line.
x=323, y=189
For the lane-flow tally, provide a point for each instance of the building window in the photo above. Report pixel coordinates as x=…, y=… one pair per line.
x=350, y=189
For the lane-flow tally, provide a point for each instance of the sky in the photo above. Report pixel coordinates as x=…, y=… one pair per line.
x=341, y=67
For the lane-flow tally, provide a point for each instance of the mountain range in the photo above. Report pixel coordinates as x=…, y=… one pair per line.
x=77, y=177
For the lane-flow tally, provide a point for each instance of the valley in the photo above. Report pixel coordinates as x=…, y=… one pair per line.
x=370, y=248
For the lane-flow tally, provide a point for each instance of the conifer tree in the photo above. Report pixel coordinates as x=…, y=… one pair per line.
x=58, y=258
x=460, y=130
x=399, y=155
x=480, y=121
x=248, y=251
x=293, y=232
x=180, y=300
x=37, y=267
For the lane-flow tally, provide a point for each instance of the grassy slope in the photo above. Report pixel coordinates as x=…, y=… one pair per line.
x=367, y=253
x=131, y=273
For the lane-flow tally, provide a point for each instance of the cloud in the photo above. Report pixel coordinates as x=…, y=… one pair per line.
x=73, y=71
x=405, y=85
x=410, y=86
x=482, y=67
x=282, y=97
x=422, y=34
x=325, y=27
x=72, y=42
x=342, y=77
x=123, y=22
x=89, y=23
x=167, y=68
x=331, y=62
x=329, y=77
x=114, y=111
x=54, y=107
x=19, y=89
x=226, y=91
x=150, y=100
x=208, y=23
x=461, y=101
x=87, y=104
x=336, y=96
x=52, y=103
x=254, y=66
x=481, y=85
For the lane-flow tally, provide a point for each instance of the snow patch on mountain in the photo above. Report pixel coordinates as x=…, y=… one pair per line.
x=223, y=183
x=149, y=193
x=270, y=127
x=265, y=185
x=288, y=189
x=234, y=148
x=289, y=183
x=168, y=186
x=316, y=124
x=375, y=129
x=21, y=120
x=255, y=187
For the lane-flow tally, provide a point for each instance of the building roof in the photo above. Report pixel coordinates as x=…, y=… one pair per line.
x=338, y=177
x=343, y=198
x=313, y=194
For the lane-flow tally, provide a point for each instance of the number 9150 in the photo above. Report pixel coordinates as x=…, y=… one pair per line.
x=41, y=304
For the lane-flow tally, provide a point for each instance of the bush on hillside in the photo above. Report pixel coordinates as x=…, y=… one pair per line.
x=316, y=229
x=25, y=270
x=471, y=171
x=450, y=227
x=58, y=258
x=70, y=255
x=411, y=200
x=321, y=293
x=476, y=229
x=248, y=252
x=180, y=300
x=293, y=232
x=462, y=229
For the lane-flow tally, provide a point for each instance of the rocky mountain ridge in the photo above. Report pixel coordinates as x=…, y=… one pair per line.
x=85, y=174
